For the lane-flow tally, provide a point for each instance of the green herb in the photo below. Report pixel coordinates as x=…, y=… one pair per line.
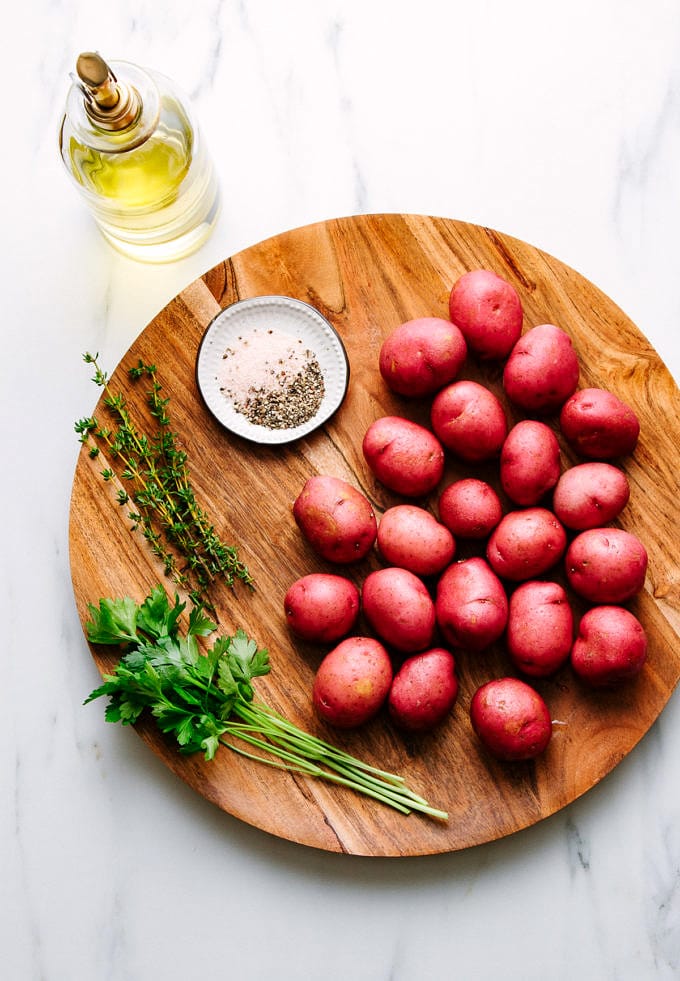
x=206, y=699
x=166, y=510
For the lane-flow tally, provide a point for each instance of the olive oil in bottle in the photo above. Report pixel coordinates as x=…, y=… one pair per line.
x=137, y=157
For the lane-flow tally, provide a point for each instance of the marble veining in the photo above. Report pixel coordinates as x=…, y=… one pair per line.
x=555, y=123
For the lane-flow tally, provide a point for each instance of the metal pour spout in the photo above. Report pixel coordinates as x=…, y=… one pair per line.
x=110, y=104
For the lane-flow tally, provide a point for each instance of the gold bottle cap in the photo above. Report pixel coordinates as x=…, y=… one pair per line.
x=109, y=103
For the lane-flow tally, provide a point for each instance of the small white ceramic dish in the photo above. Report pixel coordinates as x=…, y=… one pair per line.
x=286, y=315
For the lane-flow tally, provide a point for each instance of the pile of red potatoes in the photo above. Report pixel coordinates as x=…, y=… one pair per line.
x=424, y=606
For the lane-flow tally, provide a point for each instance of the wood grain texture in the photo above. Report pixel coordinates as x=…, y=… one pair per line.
x=366, y=275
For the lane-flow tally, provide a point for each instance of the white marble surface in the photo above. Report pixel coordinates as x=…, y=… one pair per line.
x=557, y=123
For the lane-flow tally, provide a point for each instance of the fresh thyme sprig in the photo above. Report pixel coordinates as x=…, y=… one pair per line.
x=206, y=699
x=166, y=510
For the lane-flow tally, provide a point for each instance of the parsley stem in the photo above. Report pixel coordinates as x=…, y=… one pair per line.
x=313, y=744
x=349, y=770
x=305, y=767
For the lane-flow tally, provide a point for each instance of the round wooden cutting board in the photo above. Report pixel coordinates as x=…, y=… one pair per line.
x=366, y=275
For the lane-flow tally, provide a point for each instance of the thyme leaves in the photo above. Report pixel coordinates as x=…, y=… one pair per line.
x=153, y=471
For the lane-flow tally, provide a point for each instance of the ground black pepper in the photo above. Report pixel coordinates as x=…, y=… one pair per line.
x=290, y=405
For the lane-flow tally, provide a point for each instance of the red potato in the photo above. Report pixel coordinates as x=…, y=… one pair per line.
x=336, y=519
x=321, y=607
x=403, y=455
x=606, y=565
x=590, y=495
x=488, y=311
x=421, y=356
x=399, y=608
x=530, y=462
x=540, y=629
x=469, y=420
x=542, y=370
x=526, y=544
x=598, y=425
x=611, y=646
x=424, y=690
x=471, y=605
x=352, y=682
x=470, y=508
x=411, y=537
x=511, y=719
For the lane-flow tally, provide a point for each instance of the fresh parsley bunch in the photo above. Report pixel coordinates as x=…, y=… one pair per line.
x=205, y=698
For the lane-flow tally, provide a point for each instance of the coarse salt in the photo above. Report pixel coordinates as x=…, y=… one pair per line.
x=256, y=359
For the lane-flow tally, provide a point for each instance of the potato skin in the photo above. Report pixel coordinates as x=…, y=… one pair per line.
x=530, y=462
x=471, y=605
x=399, y=608
x=590, y=495
x=611, y=646
x=488, y=311
x=598, y=425
x=526, y=544
x=352, y=682
x=511, y=719
x=470, y=508
x=423, y=691
x=410, y=536
x=542, y=370
x=540, y=629
x=421, y=356
x=606, y=565
x=336, y=519
x=469, y=420
x=403, y=455
x=321, y=607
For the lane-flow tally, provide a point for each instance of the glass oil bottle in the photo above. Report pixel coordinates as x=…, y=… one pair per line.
x=132, y=148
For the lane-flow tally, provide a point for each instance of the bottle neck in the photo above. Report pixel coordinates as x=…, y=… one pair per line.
x=118, y=114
